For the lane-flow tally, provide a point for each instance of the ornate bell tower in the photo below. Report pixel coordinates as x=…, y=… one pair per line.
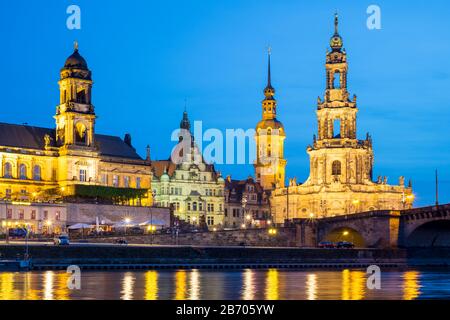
x=337, y=156
x=270, y=163
x=75, y=116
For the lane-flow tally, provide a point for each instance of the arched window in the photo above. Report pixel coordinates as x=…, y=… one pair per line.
x=194, y=206
x=337, y=80
x=81, y=96
x=23, y=172
x=336, y=128
x=37, y=172
x=7, y=172
x=80, y=133
x=336, y=168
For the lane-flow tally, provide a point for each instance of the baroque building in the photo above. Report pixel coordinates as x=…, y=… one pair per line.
x=341, y=166
x=189, y=185
x=269, y=137
x=38, y=164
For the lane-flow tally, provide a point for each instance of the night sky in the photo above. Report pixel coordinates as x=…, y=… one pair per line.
x=147, y=57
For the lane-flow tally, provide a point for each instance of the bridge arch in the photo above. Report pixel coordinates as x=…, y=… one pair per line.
x=435, y=233
x=343, y=233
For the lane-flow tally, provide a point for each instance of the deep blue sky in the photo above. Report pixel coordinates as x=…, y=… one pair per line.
x=148, y=56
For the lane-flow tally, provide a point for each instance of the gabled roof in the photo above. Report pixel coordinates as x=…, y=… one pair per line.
x=30, y=137
x=159, y=166
x=238, y=186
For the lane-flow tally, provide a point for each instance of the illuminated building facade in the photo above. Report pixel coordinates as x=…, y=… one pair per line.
x=246, y=204
x=341, y=165
x=43, y=164
x=192, y=187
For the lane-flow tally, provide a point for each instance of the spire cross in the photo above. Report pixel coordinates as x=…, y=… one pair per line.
x=75, y=45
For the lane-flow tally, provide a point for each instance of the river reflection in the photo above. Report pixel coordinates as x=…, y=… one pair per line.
x=246, y=284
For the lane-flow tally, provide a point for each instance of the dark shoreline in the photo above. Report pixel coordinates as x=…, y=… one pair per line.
x=217, y=258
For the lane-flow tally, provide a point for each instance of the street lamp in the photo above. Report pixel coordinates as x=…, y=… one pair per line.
x=127, y=222
x=272, y=231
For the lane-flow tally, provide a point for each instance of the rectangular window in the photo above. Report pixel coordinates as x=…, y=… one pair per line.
x=8, y=193
x=104, y=179
x=21, y=214
x=33, y=214
x=138, y=182
x=189, y=206
x=115, y=181
x=45, y=215
x=82, y=175
x=200, y=206
x=126, y=182
x=57, y=215
x=9, y=214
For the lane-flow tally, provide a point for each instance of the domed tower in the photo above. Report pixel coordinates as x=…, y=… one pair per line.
x=270, y=163
x=75, y=116
x=337, y=156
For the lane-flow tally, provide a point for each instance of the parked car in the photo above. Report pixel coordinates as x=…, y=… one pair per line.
x=121, y=241
x=62, y=240
x=345, y=244
x=326, y=244
x=18, y=233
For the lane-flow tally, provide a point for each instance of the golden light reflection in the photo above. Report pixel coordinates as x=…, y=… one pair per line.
x=127, y=286
x=411, y=285
x=311, y=286
x=358, y=285
x=62, y=291
x=151, y=285
x=248, y=292
x=353, y=285
x=180, y=285
x=29, y=293
x=49, y=280
x=7, y=286
x=272, y=288
x=194, y=283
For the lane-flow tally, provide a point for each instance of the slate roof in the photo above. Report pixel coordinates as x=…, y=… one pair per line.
x=29, y=137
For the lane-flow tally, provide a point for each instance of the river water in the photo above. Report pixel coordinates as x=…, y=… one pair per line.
x=246, y=284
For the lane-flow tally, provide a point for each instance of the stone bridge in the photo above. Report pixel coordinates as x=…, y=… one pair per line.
x=427, y=226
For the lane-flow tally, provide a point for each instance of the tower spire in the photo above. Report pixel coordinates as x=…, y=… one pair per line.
x=75, y=45
x=336, y=23
x=269, y=78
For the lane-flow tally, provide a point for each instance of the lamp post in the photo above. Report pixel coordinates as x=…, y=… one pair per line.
x=127, y=222
x=244, y=208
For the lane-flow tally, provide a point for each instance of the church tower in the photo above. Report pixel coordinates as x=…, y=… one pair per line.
x=75, y=124
x=270, y=163
x=340, y=178
x=337, y=156
x=75, y=116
